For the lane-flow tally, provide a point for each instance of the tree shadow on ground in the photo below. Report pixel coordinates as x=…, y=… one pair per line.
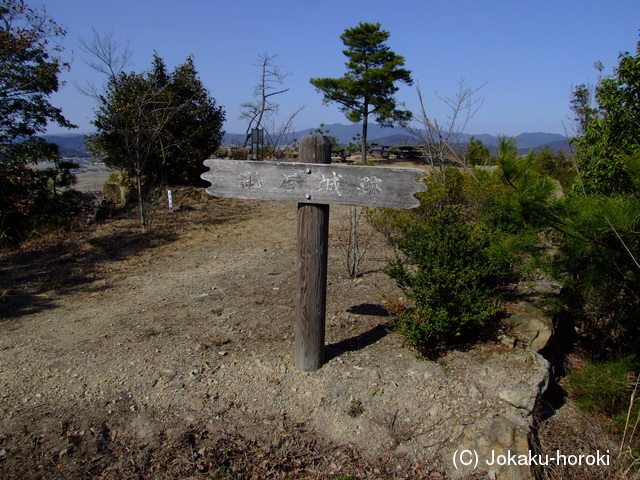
x=32, y=279
x=14, y=305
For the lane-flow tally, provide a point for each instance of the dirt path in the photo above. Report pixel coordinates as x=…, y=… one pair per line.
x=170, y=355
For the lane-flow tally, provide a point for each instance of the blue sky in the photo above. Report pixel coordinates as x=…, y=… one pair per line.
x=530, y=53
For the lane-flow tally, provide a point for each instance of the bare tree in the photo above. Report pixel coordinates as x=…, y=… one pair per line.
x=440, y=141
x=105, y=55
x=282, y=134
x=353, y=242
x=262, y=109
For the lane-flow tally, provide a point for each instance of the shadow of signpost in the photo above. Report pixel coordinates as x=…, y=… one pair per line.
x=364, y=339
x=369, y=309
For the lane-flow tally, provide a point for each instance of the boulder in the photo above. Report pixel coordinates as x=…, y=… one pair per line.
x=496, y=451
x=532, y=325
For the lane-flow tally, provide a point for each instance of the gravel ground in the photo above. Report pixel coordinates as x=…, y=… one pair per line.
x=170, y=355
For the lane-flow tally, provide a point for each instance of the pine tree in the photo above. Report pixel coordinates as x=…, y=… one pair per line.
x=369, y=85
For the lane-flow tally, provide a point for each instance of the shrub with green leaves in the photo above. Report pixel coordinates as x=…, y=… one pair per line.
x=450, y=279
x=451, y=187
x=445, y=262
x=38, y=201
x=521, y=207
x=599, y=231
x=597, y=264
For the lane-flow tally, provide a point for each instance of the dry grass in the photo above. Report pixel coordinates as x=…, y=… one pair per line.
x=570, y=431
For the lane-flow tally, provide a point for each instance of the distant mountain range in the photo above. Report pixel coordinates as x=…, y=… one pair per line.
x=73, y=144
x=70, y=144
x=398, y=136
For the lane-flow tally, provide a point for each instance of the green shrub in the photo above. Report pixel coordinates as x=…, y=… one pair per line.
x=477, y=153
x=523, y=210
x=449, y=277
x=446, y=263
x=30, y=205
x=597, y=263
x=451, y=187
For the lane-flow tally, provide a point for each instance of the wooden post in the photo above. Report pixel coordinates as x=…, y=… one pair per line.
x=315, y=184
x=313, y=239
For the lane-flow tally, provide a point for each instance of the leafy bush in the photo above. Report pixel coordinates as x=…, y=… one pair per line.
x=450, y=279
x=31, y=203
x=587, y=241
x=23, y=190
x=597, y=263
x=451, y=187
x=445, y=263
x=477, y=153
x=599, y=231
x=520, y=209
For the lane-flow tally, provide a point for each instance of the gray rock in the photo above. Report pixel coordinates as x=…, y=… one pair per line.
x=520, y=396
x=533, y=325
x=502, y=440
x=525, y=393
x=474, y=393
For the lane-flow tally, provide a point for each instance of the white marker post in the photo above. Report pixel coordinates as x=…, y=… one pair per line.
x=315, y=184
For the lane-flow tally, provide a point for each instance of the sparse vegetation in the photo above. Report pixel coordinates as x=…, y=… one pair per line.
x=353, y=242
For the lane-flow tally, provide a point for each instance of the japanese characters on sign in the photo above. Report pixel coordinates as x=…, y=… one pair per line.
x=315, y=183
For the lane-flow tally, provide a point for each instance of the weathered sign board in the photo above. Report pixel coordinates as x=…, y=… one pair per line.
x=314, y=184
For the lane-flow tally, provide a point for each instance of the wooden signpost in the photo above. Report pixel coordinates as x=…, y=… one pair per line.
x=314, y=184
